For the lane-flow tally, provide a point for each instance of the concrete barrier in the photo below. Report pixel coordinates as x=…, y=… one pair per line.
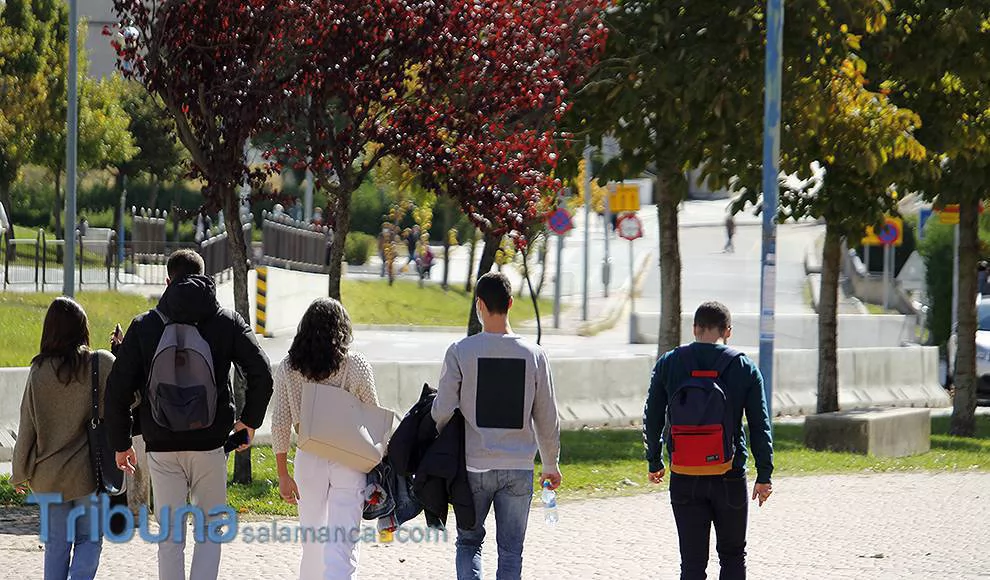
x=869, y=287
x=868, y=377
x=289, y=294
x=877, y=432
x=795, y=331
x=12, y=381
x=612, y=391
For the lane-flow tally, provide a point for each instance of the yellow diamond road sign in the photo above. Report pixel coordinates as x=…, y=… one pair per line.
x=625, y=198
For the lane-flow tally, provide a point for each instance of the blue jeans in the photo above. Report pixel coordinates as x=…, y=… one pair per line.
x=84, y=549
x=511, y=492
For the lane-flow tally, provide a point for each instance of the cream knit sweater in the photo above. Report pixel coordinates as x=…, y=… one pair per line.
x=360, y=382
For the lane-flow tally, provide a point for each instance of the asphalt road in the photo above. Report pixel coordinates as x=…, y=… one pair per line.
x=708, y=274
x=734, y=278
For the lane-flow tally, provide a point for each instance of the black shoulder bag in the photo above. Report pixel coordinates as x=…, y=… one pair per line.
x=109, y=479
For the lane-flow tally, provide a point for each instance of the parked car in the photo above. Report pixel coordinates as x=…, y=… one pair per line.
x=982, y=353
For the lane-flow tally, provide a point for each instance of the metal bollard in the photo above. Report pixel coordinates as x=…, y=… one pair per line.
x=262, y=301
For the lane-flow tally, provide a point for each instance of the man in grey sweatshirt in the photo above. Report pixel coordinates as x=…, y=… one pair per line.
x=504, y=388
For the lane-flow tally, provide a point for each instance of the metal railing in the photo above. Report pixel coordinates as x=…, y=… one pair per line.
x=143, y=267
x=39, y=261
x=294, y=245
x=148, y=234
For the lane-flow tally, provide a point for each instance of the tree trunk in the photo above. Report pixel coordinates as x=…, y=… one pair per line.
x=533, y=297
x=828, y=335
x=446, y=262
x=238, y=255
x=544, y=250
x=153, y=195
x=487, y=260
x=964, y=399
x=469, y=286
x=342, y=224
x=447, y=224
x=8, y=205
x=670, y=268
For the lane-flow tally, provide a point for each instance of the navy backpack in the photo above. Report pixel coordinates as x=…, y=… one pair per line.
x=699, y=418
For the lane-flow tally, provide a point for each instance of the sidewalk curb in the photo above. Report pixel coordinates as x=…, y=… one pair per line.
x=618, y=306
x=523, y=328
x=717, y=225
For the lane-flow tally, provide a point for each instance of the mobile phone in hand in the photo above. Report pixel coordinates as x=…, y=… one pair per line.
x=116, y=338
x=235, y=440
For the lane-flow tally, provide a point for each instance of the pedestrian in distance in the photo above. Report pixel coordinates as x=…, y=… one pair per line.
x=178, y=357
x=503, y=387
x=51, y=454
x=697, y=397
x=730, y=232
x=330, y=495
x=384, y=239
x=982, y=272
x=412, y=242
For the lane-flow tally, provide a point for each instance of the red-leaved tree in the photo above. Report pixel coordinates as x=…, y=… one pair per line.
x=502, y=89
x=466, y=93
x=220, y=67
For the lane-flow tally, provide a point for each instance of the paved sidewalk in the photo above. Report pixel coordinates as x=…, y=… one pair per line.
x=891, y=526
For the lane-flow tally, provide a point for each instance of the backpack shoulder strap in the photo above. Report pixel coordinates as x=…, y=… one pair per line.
x=686, y=354
x=725, y=359
x=94, y=364
x=161, y=315
x=343, y=372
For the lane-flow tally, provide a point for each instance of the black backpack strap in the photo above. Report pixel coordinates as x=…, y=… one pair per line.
x=725, y=359
x=688, y=358
x=94, y=364
x=161, y=315
x=95, y=453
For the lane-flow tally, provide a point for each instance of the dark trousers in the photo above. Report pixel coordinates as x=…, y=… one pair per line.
x=699, y=502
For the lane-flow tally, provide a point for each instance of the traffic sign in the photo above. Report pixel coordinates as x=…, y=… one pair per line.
x=891, y=234
x=630, y=227
x=949, y=214
x=924, y=214
x=624, y=198
x=560, y=221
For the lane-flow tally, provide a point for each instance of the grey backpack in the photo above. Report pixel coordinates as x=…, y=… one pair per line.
x=182, y=388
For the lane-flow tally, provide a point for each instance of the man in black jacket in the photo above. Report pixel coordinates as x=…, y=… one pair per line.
x=190, y=462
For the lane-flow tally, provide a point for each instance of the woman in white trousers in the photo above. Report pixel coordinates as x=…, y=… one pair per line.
x=330, y=496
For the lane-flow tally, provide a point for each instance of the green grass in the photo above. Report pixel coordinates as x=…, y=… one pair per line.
x=261, y=497
x=26, y=253
x=609, y=462
x=878, y=309
x=405, y=303
x=372, y=302
x=23, y=316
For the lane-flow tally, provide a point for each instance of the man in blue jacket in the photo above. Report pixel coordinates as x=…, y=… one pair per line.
x=716, y=494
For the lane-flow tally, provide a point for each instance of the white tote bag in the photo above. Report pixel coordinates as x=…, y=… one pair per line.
x=336, y=426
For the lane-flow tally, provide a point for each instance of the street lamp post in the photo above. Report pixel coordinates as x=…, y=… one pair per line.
x=587, y=231
x=771, y=171
x=69, y=255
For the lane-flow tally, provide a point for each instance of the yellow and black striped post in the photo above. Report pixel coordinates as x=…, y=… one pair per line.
x=262, y=301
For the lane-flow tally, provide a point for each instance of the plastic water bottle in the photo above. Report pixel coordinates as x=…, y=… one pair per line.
x=549, y=498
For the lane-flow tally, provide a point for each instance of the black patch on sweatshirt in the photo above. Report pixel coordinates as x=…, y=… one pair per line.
x=501, y=393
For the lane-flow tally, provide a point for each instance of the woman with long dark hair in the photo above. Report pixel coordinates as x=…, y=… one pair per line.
x=329, y=495
x=51, y=454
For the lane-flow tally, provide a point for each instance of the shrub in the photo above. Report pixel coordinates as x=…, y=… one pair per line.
x=358, y=248
x=8, y=496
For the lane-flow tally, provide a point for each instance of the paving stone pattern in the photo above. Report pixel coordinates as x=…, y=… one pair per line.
x=890, y=526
